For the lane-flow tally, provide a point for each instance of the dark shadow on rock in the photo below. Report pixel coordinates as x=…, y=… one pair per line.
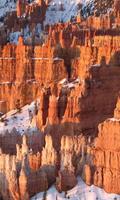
x=115, y=59
x=8, y=141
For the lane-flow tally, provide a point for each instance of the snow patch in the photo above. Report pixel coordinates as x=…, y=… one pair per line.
x=7, y=6
x=61, y=11
x=13, y=37
x=22, y=120
x=80, y=192
x=66, y=84
x=114, y=119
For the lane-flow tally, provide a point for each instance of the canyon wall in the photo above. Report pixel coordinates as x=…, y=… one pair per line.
x=106, y=154
x=75, y=75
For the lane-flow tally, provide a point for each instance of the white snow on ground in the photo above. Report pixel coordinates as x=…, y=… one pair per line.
x=13, y=37
x=22, y=121
x=114, y=119
x=80, y=192
x=55, y=14
x=51, y=195
x=66, y=84
x=63, y=10
x=6, y=6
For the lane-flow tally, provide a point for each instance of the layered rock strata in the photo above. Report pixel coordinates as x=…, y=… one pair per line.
x=75, y=74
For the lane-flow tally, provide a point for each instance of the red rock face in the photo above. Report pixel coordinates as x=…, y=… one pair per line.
x=22, y=77
x=75, y=74
x=21, y=6
x=117, y=6
x=106, y=154
x=66, y=181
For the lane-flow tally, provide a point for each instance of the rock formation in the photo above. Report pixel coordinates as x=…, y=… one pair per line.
x=106, y=154
x=73, y=70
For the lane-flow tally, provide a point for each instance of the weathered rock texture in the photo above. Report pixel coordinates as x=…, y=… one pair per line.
x=75, y=74
x=21, y=172
x=22, y=77
x=106, y=154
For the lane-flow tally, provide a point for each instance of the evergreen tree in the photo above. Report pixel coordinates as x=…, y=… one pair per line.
x=102, y=6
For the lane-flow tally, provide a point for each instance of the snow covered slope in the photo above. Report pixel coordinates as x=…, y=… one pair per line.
x=80, y=192
x=70, y=8
x=23, y=121
x=61, y=11
x=57, y=11
x=6, y=6
x=13, y=37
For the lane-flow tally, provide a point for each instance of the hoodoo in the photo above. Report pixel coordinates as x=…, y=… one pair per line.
x=59, y=99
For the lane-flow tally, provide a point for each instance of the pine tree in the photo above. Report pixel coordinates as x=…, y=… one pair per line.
x=96, y=6
x=101, y=6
